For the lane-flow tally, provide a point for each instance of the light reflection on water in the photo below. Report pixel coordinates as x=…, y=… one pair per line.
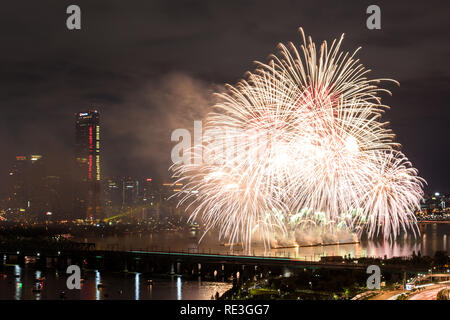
x=20, y=282
x=179, y=296
x=136, y=286
x=97, y=283
x=117, y=286
x=433, y=237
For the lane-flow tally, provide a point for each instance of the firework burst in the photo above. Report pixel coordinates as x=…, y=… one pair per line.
x=300, y=140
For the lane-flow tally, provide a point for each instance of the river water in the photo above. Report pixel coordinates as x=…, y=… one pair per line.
x=432, y=237
x=18, y=283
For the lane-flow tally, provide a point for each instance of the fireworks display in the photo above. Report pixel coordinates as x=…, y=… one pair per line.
x=300, y=144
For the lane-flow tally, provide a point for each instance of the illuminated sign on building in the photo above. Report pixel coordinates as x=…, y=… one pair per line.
x=35, y=157
x=87, y=156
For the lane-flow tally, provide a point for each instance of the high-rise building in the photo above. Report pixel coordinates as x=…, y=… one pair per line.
x=27, y=193
x=111, y=196
x=87, y=157
x=18, y=184
x=130, y=192
x=148, y=193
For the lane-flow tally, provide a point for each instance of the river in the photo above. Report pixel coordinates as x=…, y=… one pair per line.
x=433, y=237
x=18, y=283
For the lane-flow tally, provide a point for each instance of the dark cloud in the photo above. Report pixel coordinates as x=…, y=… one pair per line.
x=151, y=66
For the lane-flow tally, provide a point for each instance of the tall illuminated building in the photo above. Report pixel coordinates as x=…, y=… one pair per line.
x=27, y=192
x=87, y=157
x=130, y=192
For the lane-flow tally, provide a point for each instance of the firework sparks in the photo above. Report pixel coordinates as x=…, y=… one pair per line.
x=300, y=140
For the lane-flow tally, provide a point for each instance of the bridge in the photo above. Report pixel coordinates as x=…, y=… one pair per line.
x=175, y=262
x=434, y=221
x=223, y=258
x=442, y=277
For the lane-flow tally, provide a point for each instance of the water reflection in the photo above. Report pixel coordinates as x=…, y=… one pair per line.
x=38, y=284
x=136, y=286
x=433, y=237
x=97, y=285
x=107, y=286
x=18, y=282
x=179, y=296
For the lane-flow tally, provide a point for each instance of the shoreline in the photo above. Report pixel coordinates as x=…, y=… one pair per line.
x=434, y=221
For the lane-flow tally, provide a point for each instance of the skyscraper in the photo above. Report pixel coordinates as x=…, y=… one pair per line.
x=130, y=192
x=87, y=158
x=27, y=192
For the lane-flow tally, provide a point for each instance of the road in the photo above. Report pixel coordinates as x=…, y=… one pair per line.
x=429, y=293
x=386, y=295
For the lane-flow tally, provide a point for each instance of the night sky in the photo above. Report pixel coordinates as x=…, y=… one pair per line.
x=151, y=66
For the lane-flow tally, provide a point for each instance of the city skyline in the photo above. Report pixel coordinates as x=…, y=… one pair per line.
x=39, y=189
x=159, y=177
x=142, y=106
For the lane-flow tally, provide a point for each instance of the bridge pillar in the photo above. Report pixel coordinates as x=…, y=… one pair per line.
x=147, y=266
x=41, y=262
x=223, y=272
x=11, y=258
x=199, y=268
x=244, y=273
x=178, y=267
x=61, y=263
x=21, y=260
x=49, y=262
x=172, y=271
